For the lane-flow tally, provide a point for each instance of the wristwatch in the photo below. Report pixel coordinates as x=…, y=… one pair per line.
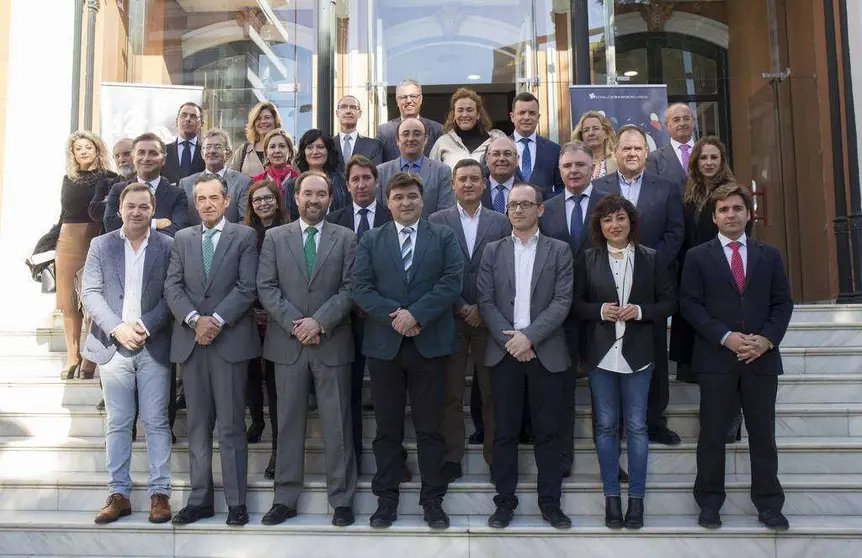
x=193, y=321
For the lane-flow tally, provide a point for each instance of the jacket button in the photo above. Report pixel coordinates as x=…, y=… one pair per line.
x=121, y=296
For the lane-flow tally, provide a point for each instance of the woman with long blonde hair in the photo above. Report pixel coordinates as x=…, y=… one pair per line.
x=250, y=158
x=596, y=132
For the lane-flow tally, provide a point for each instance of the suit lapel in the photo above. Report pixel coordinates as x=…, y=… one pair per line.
x=149, y=261
x=453, y=218
x=607, y=281
x=224, y=241
x=420, y=246
x=118, y=256
x=162, y=192
x=646, y=193
x=591, y=204
x=393, y=246
x=294, y=242
x=197, y=251
x=754, y=253
x=542, y=250
x=327, y=243
x=671, y=160
x=381, y=216
x=717, y=253
x=484, y=225
x=508, y=248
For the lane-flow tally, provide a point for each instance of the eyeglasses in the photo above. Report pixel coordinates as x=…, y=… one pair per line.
x=414, y=134
x=263, y=200
x=524, y=205
x=410, y=97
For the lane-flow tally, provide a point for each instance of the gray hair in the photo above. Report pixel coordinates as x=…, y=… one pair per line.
x=358, y=104
x=221, y=134
x=209, y=177
x=404, y=83
x=576, y=147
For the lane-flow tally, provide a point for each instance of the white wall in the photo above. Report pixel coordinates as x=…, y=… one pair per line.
x=37, y=125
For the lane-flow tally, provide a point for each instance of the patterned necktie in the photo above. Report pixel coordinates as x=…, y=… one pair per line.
x=347, y=149
x=310, y=250
x=684, y=148
x=209, y=251
x=363, y=223
x=526, y=160
x=577, y=220
x=736, y=266
x=499, y=201
x=407, y=248
x=186, y=161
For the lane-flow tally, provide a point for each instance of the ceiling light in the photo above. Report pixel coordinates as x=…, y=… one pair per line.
x=631, y=73
x=474, y=77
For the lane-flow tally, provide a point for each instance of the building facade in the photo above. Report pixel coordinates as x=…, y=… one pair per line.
x=769, y=77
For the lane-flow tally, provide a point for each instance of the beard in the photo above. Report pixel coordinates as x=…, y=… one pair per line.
x=126, y=171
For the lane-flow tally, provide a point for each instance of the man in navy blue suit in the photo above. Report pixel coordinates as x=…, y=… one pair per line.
x=736, y=296
x=538, y=156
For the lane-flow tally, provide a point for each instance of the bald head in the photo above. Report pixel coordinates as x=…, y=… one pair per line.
x=502, y=159
x=680, y=122
x=123, y=157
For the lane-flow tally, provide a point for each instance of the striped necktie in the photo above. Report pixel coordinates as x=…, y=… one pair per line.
x=407, y=248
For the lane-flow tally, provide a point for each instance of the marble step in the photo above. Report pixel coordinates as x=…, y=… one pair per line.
x=71, y=534
x=794, y=419
x=822, y=455
x=823, y=334
x=582, y=494
x=821, y=313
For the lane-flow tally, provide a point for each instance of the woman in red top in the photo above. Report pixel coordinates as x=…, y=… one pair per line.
x=279, y=151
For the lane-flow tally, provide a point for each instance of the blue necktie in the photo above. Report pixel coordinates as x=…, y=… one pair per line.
x=526, y=160
x=499, y=201
x=186, y=161
x=363, y=223
x=577, y=224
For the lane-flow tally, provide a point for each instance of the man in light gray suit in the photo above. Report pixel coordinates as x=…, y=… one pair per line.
x=130, y=341
x=210, y=289
x=436, y=177
x=525, y=292
x=304, y=282
x=216, y=152
x=475, y=226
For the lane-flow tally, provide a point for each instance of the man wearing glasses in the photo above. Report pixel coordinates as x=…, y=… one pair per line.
x=348, y=142
x=183, y=156
x=408, y=95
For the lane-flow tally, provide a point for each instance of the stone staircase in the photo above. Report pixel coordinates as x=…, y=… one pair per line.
x=52, y=477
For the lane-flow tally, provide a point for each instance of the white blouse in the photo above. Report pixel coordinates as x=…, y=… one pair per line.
x=623, y=271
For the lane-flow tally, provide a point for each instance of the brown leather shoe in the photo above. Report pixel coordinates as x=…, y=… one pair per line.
x=160, y=509
x=116, y=506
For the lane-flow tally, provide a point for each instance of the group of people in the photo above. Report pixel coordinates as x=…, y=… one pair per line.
x=414, y=255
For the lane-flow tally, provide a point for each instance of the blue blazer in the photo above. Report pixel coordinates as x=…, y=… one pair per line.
x=104, y=285
x=429, y=290
x=546, y=168
x=554, y=222
x=171, y=203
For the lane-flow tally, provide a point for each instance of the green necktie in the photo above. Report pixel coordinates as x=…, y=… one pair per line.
x=310, y=250
x=209, y=251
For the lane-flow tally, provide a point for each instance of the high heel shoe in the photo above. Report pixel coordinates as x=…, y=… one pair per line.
x=269, y=472
x=254, y=433
x=69, y=372
x=613, y=512
x=86, y=374
x=635, y=513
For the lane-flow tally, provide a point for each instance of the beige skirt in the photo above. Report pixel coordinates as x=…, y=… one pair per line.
x=72, y=247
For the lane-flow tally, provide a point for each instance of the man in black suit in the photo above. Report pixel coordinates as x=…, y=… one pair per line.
x=348, y=142
x=407, y=276
x=538, y=156
x=661, y=227
x=184, y=156
x=736, y=295
x=408, y=96
x=671, y=161
x=475, y=226
x=361, y=216
x=567, y=218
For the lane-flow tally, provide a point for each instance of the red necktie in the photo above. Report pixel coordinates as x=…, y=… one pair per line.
x=736, y=266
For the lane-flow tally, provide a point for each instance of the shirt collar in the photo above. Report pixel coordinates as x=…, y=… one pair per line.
x=124, y=237
x=464, y=214
x=352, y=135
x=372, y=207
x=508, y=184
x=418, y=161
x=629, y=249
x=725, y=241
x=675, y=144
x=518, y=136
x=531, y=242
x=633, y=181
x=219, y=227
x=587, y=192
x=304, y=226
x=154, y=183
x=399, y=227
x=193, y=141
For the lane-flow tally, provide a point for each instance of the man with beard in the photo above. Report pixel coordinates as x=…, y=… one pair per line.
x=126, y=170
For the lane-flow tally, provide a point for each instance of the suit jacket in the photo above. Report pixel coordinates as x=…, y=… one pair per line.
x=97, y=206
x=554, y=222
x=437, y=192
x=346, y=217
x=387, y=131
x=429, y=290
x=237, y=188
x=712, y=304
x=104, y=285
x=550, y=300
x=546, y=167
x=651, y=289
x=492, y=227
x=229, y=291
x=171, y=170
x=286, y=291
x=171, y=203
x=487, y=194
x=368, y=147
x=662, y=225
x=663, y=162
x=340, y=194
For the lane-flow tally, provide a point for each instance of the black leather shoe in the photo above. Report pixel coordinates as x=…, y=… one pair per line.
x=181, y=401
x=254, y=433
x=567, y=473
x=709, y=519
x=190, y=514
x=635, y=513
x=278, y=513
x=100, y=406
x=343, y=516
x=774, y=520
x=173, y=437
x=269, y=472
x=434, y=515
x=613, y=512
x=476, y=438
x=555, y=516
x=665, y=436
x=237, y=516
x=501, y=517
x=385, y=515
x=452, y=471
x=622, y=476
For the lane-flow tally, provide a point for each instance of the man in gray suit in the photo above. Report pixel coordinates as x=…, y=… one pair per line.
x=408, y=97
x=525, y=292
x=475, y=226
x=304, y=282
x=209, y=289
x=130, y=341
x=671, y=161
x=216, y=152
x=436, y=177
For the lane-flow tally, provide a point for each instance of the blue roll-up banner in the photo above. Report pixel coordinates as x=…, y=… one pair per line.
x=642, y=105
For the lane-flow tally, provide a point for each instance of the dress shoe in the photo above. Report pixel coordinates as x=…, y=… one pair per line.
x=100, y=406
x=709, y=519
x=180, y=401
x=173, y=437
x=237, y=516
x=134, y=432
x=434, y=516
x=635, y=513
x=269, y=472
x=160, y=509
x=405, y=475
x=567, y=473
x=734, y=433
x=190, y=514
x=68, y=373
x=501, y=517
x=774, y=520
x=622, y=476
x=613, y=512
x=452, y=471
x=278, y=513
x=385, y=515
x=254, y=433
x=665, y=436
x=343, y=516
x=555, y=516
x=116, y=506
x=477, y=438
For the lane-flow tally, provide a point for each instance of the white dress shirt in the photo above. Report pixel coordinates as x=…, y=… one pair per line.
x=470, y=225
x=525, y=257
x=193, y=143
x=372, y=210
x=133, y=285
x=623, y=272
x=675, y=144
x=585, y=203
x=520, y=147
x=303, y=226
x=631, y=190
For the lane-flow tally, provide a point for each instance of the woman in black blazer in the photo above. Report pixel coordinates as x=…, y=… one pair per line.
x=621, y=290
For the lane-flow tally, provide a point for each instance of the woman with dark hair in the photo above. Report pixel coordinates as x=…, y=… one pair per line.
x=467, y=131
x=279, y=151
x=266, y=211
x=621, y=291
x=250, y=158
x=317, y=151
